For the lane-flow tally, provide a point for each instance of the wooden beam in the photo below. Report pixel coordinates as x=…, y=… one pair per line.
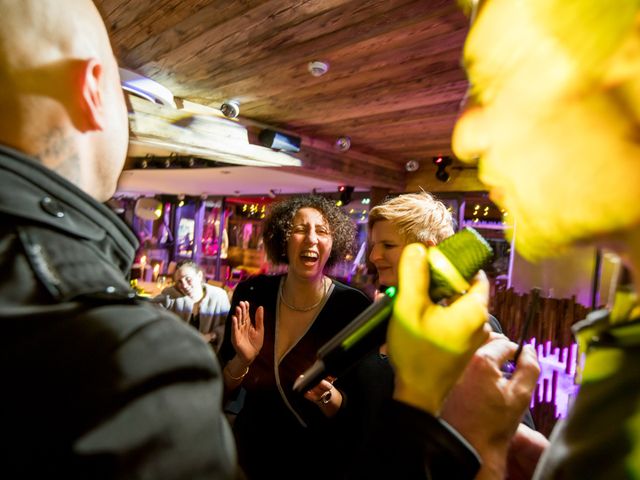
x=215, y=137
x=332, y=166
x=320, y=158
x=204, y=136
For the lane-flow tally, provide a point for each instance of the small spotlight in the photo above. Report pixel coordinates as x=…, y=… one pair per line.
x=230, y=108
x=443, y=175
x=346, y=191
x=442, y=163
x=342, y=144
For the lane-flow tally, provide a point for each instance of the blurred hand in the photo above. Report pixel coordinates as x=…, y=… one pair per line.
x=525, y=450
x=486, y=407
x=378, y=295
x=209, y=337
x=429, y=344
x=247, y=339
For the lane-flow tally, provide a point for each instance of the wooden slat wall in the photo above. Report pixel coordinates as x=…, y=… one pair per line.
x=553, y=322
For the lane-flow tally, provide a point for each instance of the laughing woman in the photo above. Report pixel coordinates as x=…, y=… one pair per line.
x=275, y=327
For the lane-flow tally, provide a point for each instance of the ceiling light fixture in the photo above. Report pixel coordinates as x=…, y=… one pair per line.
x=146, y=88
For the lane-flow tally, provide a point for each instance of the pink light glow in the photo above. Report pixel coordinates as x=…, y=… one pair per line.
x=557, y=376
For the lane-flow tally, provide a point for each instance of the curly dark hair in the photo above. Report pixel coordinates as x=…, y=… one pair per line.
x=279, y=221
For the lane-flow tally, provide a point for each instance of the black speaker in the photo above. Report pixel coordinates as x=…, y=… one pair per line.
x=442, y=163
x=345, y=193
x=279, y=141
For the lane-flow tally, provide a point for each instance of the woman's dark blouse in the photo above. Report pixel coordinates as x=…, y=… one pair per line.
x=279, y=433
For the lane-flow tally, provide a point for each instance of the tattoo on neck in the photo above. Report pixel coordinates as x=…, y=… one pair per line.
x=60, y=155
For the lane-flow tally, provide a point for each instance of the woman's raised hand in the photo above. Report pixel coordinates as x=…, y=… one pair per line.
x=246, y=337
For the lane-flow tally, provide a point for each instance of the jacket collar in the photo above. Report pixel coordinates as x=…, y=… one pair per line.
x=30, y=191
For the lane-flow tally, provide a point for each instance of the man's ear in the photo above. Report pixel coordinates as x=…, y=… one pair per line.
x=91, y=106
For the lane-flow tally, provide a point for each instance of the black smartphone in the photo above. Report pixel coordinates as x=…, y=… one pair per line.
x=509, y=367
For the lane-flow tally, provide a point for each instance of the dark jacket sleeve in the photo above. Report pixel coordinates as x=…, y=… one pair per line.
x=412, y=444
x=177, y=387
x=138, y=396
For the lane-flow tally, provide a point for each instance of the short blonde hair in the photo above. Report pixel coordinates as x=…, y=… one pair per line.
x=419, y=217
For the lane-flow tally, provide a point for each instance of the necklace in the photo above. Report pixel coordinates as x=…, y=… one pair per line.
x=302, y=309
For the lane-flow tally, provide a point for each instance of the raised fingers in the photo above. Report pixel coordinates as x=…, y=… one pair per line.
x=526, y=372
x=413, y=283
x=468, y=313
x=260, y=319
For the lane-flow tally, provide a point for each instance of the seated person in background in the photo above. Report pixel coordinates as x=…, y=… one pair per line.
x=205, y=307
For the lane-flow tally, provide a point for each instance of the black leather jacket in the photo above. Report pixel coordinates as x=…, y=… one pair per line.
x=95, y=383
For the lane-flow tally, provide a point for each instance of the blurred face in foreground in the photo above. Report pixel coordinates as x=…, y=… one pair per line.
x=553, y=117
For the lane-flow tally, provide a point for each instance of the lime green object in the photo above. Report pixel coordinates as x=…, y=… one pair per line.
x=462, y=255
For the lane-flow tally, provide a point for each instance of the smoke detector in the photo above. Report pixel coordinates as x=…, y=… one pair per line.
x=318, y=68
x=411, y=166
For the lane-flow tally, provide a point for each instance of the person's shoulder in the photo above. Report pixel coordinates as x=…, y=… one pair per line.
x=141, y=346
x=343, y=287
x=351, y=293
x=127, y=316
x=259, y=281
x=143, y=326
x=171, y=292
x=214, y=289
x=217, y=293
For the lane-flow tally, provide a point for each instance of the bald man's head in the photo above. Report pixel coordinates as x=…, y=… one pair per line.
x=60, y=91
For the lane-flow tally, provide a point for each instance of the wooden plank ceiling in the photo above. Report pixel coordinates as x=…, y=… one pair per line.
x=394, y=83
